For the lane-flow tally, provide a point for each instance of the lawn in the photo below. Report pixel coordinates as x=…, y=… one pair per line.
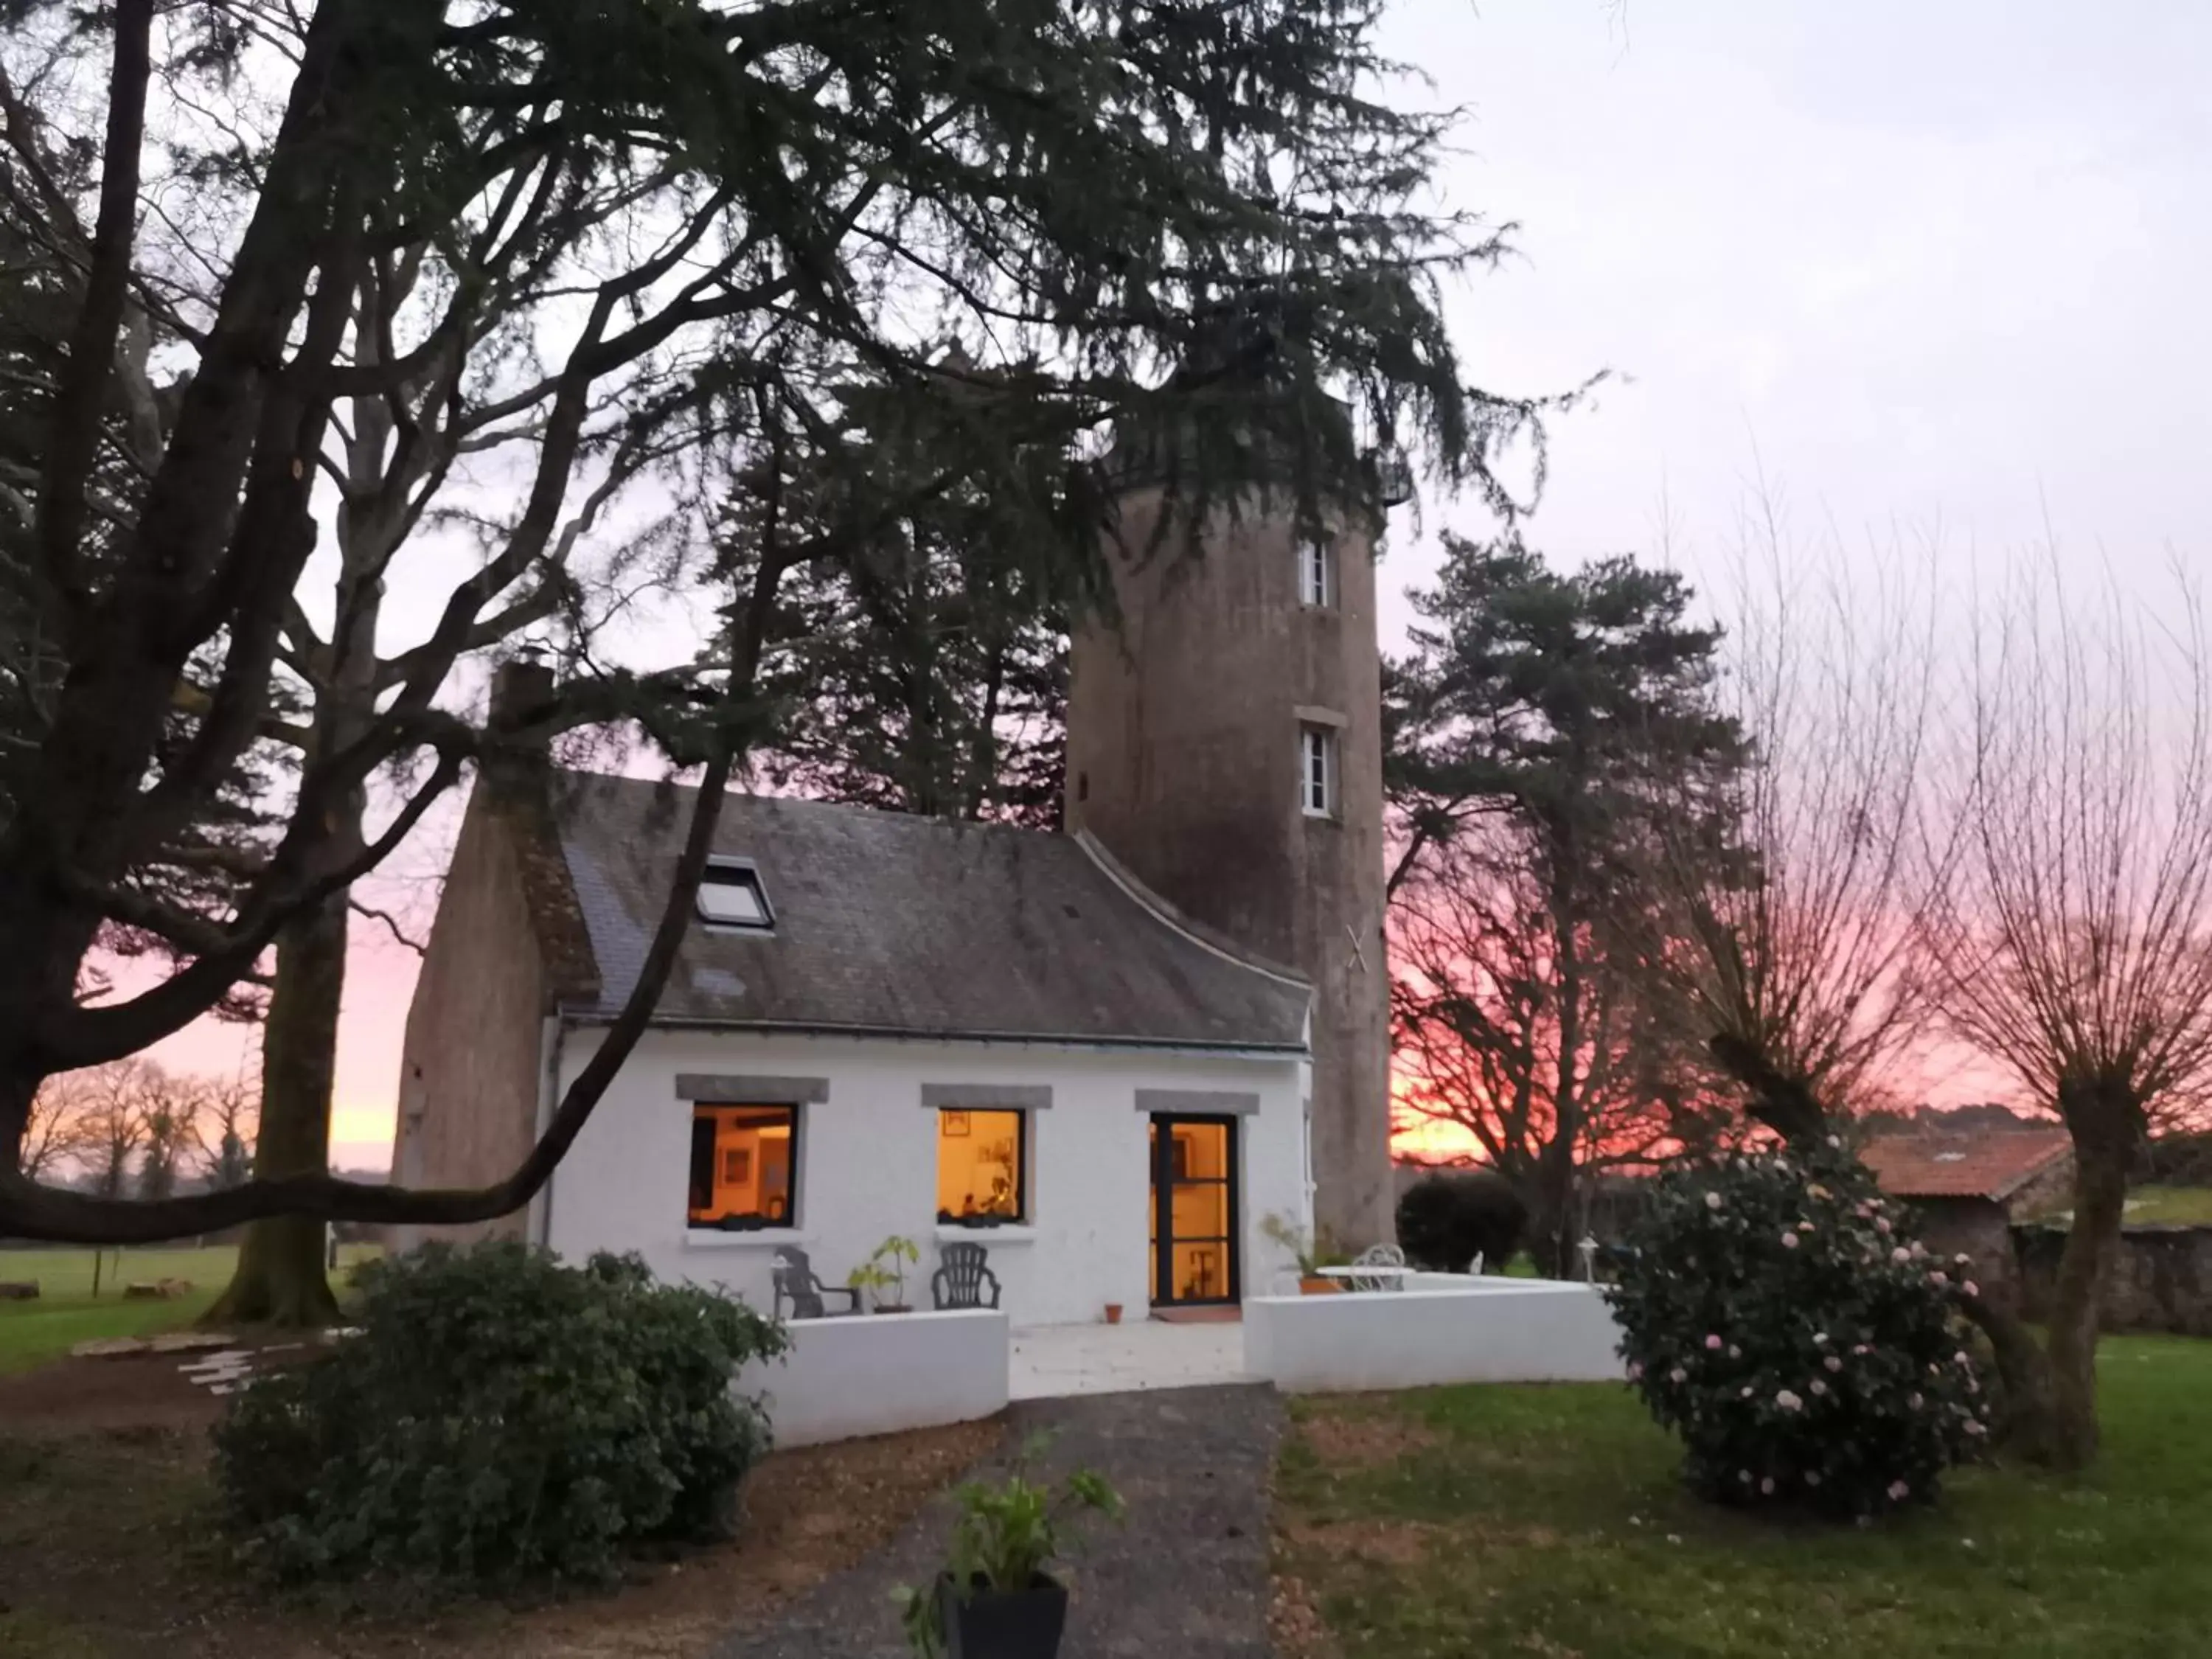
x=67, y=1313
x=1456, y=1523
x=2172, y=1204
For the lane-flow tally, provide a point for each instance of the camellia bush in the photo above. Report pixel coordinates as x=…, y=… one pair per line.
x=498, y=1416
x=1779, y=1317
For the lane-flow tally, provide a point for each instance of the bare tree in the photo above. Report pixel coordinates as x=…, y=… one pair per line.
x=2076, y=949
x=101, y=1110
x=232, y=1123
x=49, y=1132
x=170, y=1105
x=1484, y=1003
x=1794, y=954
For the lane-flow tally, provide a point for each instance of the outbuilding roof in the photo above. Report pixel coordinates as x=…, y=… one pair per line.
x=889, y=924
x=1994, y=1165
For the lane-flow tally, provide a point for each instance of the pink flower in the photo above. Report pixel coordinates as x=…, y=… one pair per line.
x=1900, y=1253
x=1818, y=1387
x=1833, y=1362
x=1960, y=1359
x=1971, y=1288
x=1820, y=1336
x=1812, y=1477
x=1916, y=1403
x=1788, y=1401
x=1816, y=1190
x=1713, y=1343
x=1881, y=1224
x=1789, y=1241
x=1805, y=1227
x=1767, y=1486
x=1712, y=1200
x=1635, y=1371
x=1975, y=1426
x=1863, y=1211
x=1860, y=1348
x=1837, y=1141
x=1735, y=1353
x=1747, y=1391
x=1678, y=1375
x=1899, y=1491
x=1938, y=1279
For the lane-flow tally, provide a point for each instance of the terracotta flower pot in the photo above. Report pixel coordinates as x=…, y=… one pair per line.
x=1315, y=1284
x=1112, y=1313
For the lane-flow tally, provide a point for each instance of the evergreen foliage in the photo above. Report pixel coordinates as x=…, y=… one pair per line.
x=498, y=1417
x=1445, y=1221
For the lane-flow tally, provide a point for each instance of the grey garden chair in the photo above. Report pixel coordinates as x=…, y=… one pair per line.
x=961, y=1275
x=797, y=1283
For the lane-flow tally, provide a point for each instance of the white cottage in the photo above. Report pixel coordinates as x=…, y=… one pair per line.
x=878, y=1025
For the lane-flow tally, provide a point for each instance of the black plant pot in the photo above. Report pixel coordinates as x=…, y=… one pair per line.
x=990, y=1624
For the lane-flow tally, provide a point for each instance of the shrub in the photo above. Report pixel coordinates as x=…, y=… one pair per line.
x=1777, y=1318
x=498, y=1416
x=1444, y=1221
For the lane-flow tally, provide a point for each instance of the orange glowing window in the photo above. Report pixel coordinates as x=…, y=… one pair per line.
x=745, y=1166
x=981, y=1157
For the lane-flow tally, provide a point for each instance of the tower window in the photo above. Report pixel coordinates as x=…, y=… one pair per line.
x=731, y=896
x=1317, y=771
x=1316, y=572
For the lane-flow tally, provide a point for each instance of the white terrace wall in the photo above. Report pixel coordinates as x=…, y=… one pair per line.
x=868, y=1163
x=1482, y=1331
x=846, y=1378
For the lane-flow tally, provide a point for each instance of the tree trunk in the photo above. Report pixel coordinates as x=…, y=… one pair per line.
x=2100, y=1189
x=280, y=1278
x=2030, y=1417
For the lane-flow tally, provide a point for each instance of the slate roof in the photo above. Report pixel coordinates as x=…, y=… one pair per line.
x=915, y=927
x=1993, y=1166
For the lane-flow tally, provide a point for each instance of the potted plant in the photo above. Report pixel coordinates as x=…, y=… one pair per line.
x=1311, y=1253
x=886, y=1271
x=994, y=1598
x=1112, y=1313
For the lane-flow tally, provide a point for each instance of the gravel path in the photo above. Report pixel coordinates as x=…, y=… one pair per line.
x=1185, y=1575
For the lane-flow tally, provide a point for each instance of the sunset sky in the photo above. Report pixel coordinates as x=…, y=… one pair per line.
x=1920, y=266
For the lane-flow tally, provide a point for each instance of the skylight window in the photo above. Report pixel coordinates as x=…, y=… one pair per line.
x=730, y=896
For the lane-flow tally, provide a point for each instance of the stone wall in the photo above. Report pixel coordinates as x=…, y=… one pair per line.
x=1975, y=1227
x=2161, y=1279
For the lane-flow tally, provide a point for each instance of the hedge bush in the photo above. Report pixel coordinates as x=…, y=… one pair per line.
x=498, y=1416
x=1444, y=1221
x=1777, y=1317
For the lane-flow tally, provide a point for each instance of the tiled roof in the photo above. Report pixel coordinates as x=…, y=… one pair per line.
x=909, y=926
x=1929, y=1164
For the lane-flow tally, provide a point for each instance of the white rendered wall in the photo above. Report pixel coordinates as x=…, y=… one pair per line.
x=1492, y=1331
x=880, y=1374
x=867, y=1164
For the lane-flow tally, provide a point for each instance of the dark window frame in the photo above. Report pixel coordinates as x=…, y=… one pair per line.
x=701, y=1111
x=733, y=873
x=1021, y=1216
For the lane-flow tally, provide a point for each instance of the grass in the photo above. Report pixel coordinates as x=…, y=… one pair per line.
x=1550, y=1522
x=2172, y=1204
x=67, y=1313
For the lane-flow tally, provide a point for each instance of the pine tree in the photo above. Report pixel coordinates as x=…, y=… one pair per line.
x=1541, y=720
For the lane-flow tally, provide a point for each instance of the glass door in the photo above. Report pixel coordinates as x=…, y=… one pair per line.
x=1193, y=1210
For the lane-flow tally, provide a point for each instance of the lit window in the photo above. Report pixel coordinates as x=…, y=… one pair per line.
x=980, y=1159
x=1317, y=771
x=745, y=1166
x=730, y=896
x=1316, y=571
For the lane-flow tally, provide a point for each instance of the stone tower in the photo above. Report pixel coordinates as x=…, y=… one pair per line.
x=1225, y=744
